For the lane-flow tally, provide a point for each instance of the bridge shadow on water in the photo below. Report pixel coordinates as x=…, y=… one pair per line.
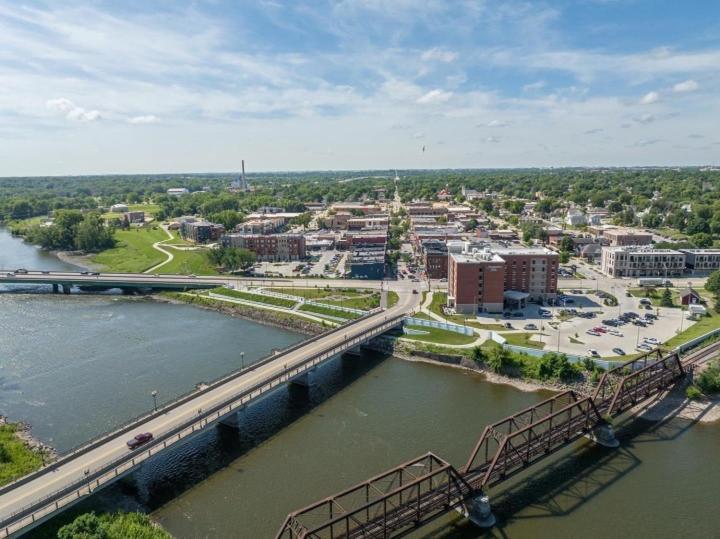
x=166, y=476
x=575, y=476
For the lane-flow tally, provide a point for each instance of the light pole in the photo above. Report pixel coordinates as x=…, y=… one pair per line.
x=242, y=360
x=154, y=396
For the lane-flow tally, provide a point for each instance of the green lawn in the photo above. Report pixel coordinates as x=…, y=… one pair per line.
x=439, y=336
x=522, y=339
x=16, y=458
x=277, y=302
x=702, y=326
x=440, y=299
x=134, y=251
x=655, y=295
x=671, y=233
x=188, y=263
x=365, y=303
x=392, y=298
x=308, y=293
x=328, y=312
x=149, y=209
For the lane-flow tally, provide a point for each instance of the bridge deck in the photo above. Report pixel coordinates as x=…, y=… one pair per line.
x=98, y=463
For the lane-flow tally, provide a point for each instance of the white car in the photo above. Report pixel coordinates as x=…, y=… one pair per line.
x=652, y=340
x=615, y=332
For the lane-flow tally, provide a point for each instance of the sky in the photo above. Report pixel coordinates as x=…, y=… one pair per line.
x=169, y=86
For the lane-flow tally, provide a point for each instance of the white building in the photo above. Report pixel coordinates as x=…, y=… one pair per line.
x=702, y=261
x=177, y=191
x=119, y=208
x=639, y=261
x=575, y=217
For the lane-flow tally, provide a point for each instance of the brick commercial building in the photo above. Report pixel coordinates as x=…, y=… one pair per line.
x=435, y=258
x=630, y=261
x=623, y=236
x=486, y=280
x=268, y=248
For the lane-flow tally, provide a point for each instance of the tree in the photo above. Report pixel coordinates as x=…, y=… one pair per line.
x=666, y=298
x=231, y=258
x=567, y=244
x=564, y=257
x=304, y=219
x=498, y=359
x=86, y=526
x=92, y=235
x=702, y=240
x=478, y=355
x=227, y=218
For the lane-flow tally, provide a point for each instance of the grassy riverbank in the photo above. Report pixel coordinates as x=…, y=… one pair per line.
x=17, y=458
x=134, y=252
x=75, y=524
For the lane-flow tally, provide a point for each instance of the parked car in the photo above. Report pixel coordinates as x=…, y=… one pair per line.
x=593, y=332
x=530, y=327
x=593, y=353
x=21, y=271
x=615, y=333
x=651, y=340
x=518, y=314
x=619, y=351
x=415, y=291
x=139, y=439
x=508, y=325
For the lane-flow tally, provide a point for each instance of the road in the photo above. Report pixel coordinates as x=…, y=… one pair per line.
x=114, y=448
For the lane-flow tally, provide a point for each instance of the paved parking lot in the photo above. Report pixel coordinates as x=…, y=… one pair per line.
x=665, y=327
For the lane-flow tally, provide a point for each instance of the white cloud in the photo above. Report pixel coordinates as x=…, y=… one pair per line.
x=439, y=55
x=492, y=140
x=645, y=119
x=434, y=97
x=646, y=142
x=145, y=119
x=534, y=86
x=72, y=111
x=498, y=123
x=419, y=135
x=593, y=131
x=650, y=98
x=686, y=86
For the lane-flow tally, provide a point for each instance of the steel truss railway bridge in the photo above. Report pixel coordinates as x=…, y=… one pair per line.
x=416, y=492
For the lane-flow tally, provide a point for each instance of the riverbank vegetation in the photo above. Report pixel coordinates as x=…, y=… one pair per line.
x=112, y=526
x=17, y=458
x=71, y=230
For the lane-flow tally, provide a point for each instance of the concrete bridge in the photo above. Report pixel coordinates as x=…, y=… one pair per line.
x=52, y=489
x=127, y=281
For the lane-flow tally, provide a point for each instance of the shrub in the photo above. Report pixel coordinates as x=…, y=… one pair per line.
x=693, y=393
x=709, y=380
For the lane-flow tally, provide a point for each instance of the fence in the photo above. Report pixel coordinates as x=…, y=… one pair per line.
x=464, y=330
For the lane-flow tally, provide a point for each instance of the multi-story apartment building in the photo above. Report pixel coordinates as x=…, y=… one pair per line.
x=272, y=248
x=200, y=231
x=701, y=261
x=487, y=279
x=632, y=261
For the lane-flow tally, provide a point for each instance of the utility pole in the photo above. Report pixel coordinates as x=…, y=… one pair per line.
x=242, y=360
x=154, y=396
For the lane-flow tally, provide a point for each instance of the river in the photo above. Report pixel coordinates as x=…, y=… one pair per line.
x=73, y=366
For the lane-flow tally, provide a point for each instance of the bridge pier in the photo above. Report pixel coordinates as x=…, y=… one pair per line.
x=478, y=511
x=355, y=351
x=66, y=288
x=56, y=288
x=603, y=434
x=301, y=380
x=232, y=421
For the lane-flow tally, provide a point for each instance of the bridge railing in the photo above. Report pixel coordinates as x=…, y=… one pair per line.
x=129, y=425
x=96, y=478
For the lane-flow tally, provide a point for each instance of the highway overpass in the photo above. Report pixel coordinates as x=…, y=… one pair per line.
x=38, y=496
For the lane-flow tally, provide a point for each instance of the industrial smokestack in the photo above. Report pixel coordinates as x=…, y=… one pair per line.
x=243, y=171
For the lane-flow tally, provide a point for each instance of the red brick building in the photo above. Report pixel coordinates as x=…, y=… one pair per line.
x=435, y=259
x=485, y=280
x=476, y=282
x=272, y=248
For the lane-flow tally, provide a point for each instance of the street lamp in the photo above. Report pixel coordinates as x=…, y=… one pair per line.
x=154, y=396
x=242, y=360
